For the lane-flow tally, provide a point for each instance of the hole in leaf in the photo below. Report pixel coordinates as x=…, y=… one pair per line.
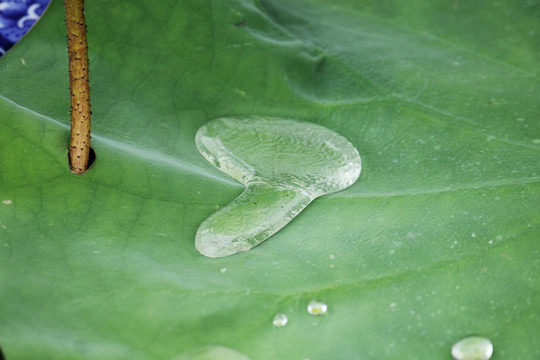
x=91, y=158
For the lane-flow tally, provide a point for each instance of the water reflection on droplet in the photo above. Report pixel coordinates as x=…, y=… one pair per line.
x=317, y=308
x=472, y=348
x=280, y=320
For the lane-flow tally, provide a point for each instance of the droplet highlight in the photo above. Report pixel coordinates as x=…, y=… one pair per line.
x=284, y=164
x=473, y=348
x=280, y=320
x=317, y=308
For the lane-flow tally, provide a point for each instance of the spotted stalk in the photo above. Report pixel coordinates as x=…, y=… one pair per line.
x=79, y=147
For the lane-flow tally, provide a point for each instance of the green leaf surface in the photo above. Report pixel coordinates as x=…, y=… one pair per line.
x=437, y=240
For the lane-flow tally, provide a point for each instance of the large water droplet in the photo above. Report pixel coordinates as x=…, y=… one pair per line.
x=472, y=348
x=284, y=164
x=280, y=320
x=212, y=353
x=317, y=308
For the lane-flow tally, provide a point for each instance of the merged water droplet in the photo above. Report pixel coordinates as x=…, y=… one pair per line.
x=280, y=320
x=212, y=353
x=317, y=308
x=472, y=348
x=284, y=164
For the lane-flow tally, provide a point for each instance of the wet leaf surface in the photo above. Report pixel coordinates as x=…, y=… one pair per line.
x=436, y=241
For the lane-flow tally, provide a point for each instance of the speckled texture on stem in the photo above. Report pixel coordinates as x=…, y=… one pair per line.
x=79, y=147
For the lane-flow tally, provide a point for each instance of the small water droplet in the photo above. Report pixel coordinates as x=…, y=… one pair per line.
x=393, y=304
x=7, y=202
x=332, y=257
x=437, y=147
x=473, y=235
x=536, y=141
x=317, y=308
x=490, y=242
x=280, y=320
x=472, y=348
x=222, y=270
x=498, y=237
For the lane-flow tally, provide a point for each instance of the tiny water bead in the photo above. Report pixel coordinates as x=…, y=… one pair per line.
x=472, y=348
x=284, y=164
x=317, y=308
x=280, y=320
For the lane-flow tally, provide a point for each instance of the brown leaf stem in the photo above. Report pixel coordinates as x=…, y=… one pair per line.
x=79, y=147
